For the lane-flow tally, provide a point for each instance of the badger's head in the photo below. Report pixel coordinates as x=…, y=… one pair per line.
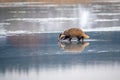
x=86, y=36
x=61, y=36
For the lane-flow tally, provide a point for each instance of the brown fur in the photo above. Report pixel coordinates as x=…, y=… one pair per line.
x=73, y=32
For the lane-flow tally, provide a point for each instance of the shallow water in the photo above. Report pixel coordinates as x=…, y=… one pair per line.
x=40, y=56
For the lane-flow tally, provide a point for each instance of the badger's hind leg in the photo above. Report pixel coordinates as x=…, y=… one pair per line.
x=82, y=39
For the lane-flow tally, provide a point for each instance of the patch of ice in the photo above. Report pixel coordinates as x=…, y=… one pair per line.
x=103, y=29
x=91, y=50
x=94, y=40
x=102, y=51
x=21, y=4
x=40, y=19
x=18, y=11
x=4, y=24
x=104, y=20
x=108, y=14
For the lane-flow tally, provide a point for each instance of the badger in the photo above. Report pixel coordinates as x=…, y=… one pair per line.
x=71, y=33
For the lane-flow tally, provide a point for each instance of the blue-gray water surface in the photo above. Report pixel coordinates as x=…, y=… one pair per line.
x=29, y=49
x=41, y=56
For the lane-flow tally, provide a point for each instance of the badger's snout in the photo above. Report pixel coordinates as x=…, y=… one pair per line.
x=61, y=36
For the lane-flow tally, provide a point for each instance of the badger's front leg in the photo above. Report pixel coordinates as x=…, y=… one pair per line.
x=70, y=39
x=79, y=38
x=66, y=37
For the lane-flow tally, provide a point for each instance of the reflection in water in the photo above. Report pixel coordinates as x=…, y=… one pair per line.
x=26, y=39
x=73, y=46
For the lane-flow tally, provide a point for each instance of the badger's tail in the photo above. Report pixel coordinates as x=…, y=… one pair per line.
x=86, y=36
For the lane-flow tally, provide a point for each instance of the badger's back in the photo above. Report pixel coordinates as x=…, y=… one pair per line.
x=73, y=32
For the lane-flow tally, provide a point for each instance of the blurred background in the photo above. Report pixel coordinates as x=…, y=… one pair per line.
x=51, y=16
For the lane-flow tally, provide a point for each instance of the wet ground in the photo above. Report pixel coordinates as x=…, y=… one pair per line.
x=29, y=49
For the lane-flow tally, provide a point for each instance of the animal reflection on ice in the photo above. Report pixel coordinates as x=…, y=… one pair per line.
x=76, y=47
